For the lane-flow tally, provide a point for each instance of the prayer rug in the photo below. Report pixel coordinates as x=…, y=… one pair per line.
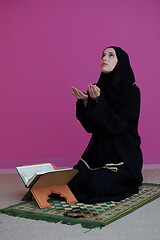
x=88, y=215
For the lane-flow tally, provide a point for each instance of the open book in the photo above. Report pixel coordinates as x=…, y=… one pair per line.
x=30, y=173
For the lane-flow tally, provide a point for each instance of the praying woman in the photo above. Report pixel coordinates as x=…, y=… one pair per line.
x=110, y=168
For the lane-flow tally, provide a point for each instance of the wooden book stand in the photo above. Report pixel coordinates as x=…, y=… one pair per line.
x=52, y=182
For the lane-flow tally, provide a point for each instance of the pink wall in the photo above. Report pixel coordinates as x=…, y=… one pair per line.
x=49, y=45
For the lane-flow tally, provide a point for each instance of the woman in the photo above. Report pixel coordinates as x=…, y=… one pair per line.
x=110, y=167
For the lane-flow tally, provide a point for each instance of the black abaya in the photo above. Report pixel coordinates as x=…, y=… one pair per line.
x=110, y=167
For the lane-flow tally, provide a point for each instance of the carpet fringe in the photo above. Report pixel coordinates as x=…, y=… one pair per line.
x=55, y=219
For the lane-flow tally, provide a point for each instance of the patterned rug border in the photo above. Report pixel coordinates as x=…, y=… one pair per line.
x=72, y=221
x=130, y=210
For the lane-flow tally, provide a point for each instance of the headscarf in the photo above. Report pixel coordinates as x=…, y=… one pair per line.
x=117, y=85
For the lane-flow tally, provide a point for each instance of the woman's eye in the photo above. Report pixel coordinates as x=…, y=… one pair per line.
x=111, y=55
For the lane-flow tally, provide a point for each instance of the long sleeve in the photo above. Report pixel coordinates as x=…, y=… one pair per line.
x=107, y=119
x=81, y=114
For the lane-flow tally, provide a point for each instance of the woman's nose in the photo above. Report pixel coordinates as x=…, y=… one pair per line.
x=104, y=59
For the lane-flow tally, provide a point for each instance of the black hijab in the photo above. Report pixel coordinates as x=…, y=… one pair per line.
x=117, y=85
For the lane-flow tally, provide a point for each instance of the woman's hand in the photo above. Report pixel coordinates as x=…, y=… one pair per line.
x=79, y=95
x=94, y=92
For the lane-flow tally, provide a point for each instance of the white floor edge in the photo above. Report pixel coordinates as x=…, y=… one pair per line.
x=13, y=171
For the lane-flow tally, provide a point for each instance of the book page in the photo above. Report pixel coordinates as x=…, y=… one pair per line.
x=28, y=172
x=40, y=174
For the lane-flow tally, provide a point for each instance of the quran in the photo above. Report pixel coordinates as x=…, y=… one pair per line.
x=31, y=173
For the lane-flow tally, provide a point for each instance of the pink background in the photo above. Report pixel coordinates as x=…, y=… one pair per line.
x=46, y=46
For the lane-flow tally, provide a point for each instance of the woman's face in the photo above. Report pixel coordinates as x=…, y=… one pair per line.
x=109, y=60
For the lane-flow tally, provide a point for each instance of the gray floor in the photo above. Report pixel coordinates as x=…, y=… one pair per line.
x=143, y=224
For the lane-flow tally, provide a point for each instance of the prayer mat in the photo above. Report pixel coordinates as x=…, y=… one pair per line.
x=88, y=215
